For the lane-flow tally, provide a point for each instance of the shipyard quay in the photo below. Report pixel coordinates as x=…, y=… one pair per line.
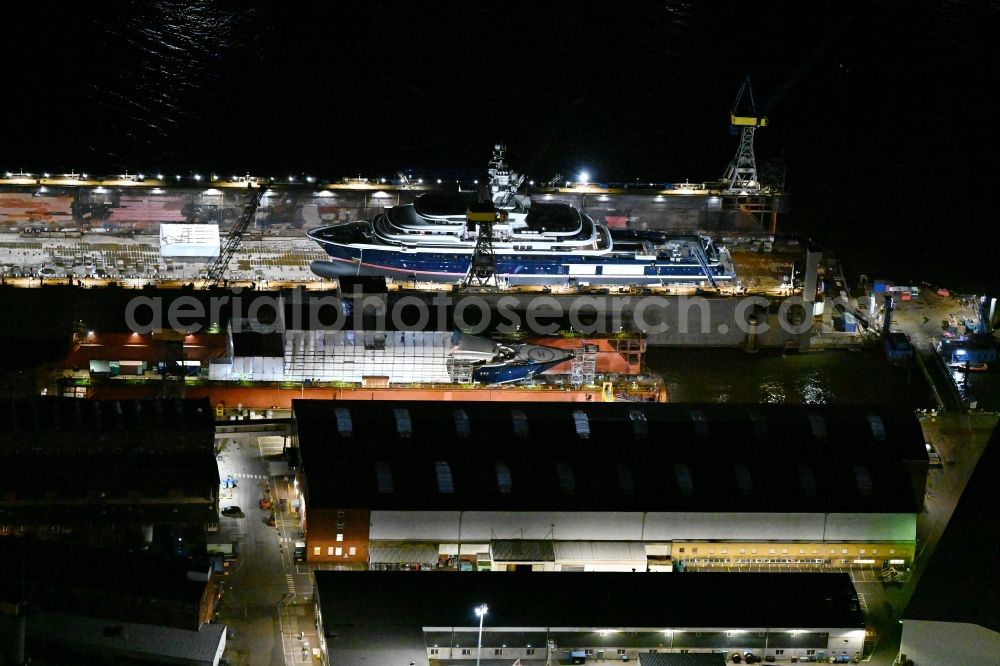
x=608, y=487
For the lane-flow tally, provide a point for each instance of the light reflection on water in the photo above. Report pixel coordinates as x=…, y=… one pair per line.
x=830, y=377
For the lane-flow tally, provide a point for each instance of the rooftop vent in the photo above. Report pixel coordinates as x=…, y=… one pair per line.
x=345, y=428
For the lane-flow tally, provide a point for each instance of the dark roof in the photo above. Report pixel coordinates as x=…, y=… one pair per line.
x=72, y=578
x=557, y=217
x=678, y=659
x=608, y=457
x=258, y=344
x=442, y=203
x=596, y=599
x=72, y=461
x=961, y=580
x=28, y=423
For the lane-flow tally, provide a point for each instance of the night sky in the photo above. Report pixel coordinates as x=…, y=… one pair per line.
x=879, y=111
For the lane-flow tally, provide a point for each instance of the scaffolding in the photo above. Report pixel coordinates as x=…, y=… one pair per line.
x=460, y=370
x=584, y=365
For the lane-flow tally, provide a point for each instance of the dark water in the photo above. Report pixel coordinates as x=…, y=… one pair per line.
x=822, y=378
x=880, y=115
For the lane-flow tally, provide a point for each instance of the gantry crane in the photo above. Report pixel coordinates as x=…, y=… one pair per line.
x=217, y=272
x=741, y=175
x=482, y=273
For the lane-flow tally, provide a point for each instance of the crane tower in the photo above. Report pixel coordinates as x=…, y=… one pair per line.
x=741, y=175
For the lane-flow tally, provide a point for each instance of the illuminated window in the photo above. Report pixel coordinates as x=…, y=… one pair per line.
x=771, y=551
x=316, y=550
x=339, y=551
x=753, y=551
x=340, y=537
x=743, y=551
x=329, y=550
x=861, y=551
x=352, y=551
x=892, y=551
x=723, y=551
x=784, y=551
x=843, y=551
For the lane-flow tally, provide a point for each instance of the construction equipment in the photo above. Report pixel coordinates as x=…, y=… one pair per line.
x=217, y=272
x=481, y=216
x=741, y=175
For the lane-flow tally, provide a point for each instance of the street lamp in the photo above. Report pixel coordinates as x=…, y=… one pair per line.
x=481, y=612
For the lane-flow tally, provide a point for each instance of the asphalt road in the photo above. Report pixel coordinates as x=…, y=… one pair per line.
x=257, y=583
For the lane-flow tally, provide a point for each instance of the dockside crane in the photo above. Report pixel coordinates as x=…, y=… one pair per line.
x=480, y=217
x=741, y=175
x=217, y=272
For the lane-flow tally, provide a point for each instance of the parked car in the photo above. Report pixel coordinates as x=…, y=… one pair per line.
x=232, y=511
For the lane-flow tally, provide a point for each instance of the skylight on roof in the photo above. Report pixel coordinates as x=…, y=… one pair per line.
x=807, y=481
x=744, y=480
x=446, y=484
x=640, y=428
x=520, y=423
x=685, y=484
x=864, y=480
x=877, y=427
x=344, y=426
x=462, y=426
x=818, y=425
x=625, y=482
x=582, y=424
x=403, y=424
x=567, y=482
x=504, y=481
x=383, y=476
x=700, y=422
x=760, y=429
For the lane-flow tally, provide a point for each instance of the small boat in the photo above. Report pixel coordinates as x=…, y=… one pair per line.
x=970, y=367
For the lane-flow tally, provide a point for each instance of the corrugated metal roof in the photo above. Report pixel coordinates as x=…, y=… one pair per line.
x=600, y=551
x=521, y=550
x=403, y=553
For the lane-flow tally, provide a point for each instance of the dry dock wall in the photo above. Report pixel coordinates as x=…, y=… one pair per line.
x=140, y=210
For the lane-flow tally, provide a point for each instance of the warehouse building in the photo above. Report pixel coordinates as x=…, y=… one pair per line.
x=122, y=473
x=953, y=617
x=608, y=487
x=431, y=620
